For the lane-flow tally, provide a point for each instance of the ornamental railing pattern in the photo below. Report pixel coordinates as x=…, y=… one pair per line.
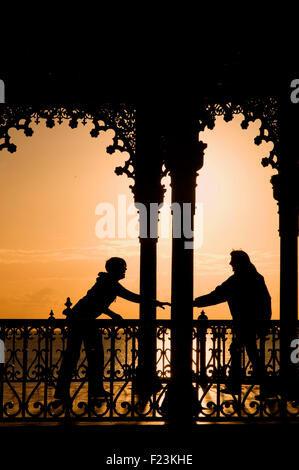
x=34, y=349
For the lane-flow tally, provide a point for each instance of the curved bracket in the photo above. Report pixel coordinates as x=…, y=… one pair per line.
x=265, y=109
x=119, y=118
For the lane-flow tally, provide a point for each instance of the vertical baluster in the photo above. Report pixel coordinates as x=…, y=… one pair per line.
x=133, y=365
x=51, y=330
x=160, y=346
x=127, y=332
x=223, y=366
x=224, y=339
x=218, y=332
x=39, y=353
x=50, y=369
x=25, y=365
x=272, y=348
x=112, y=364
x=165, y=333
x=202, y=347
x=197, y=351
x=2, y=371
x=46, y=370
x=134, y=334
x=163, y=352
x=277, y=340
x=264, y=364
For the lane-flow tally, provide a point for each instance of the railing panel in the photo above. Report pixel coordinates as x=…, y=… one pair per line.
x=34, y=351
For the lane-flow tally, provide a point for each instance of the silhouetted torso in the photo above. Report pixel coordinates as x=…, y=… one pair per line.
x=99, y=297
x=246, y=294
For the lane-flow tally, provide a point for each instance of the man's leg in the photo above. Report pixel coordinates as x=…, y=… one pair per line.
x=95, y=357
x=69, y=362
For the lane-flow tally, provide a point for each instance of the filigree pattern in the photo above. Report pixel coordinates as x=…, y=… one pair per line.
x=122, y=119
x=34, y=351
x=265, y=109
x=119, y=118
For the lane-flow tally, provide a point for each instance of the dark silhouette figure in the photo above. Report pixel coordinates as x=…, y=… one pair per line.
x=250, y=305
x=82, y=328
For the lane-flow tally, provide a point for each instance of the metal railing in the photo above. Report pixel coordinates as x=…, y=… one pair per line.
x=33, y=354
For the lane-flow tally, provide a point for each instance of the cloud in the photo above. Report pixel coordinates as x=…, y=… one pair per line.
x=215, y=263
x=39, y=297
x=127, y=248
x=211, y=261
x=32, y=299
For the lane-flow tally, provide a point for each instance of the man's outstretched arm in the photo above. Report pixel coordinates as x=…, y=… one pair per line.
x=112, y=315
x=132, y=297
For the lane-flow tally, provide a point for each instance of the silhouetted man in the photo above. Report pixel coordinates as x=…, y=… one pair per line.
x=249, y=302
x=82, y=328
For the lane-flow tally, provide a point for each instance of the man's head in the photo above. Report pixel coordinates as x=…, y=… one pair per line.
x=240, y=261
x=116, y=267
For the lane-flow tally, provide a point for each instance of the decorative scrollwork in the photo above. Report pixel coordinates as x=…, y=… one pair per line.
x=34, y=350
x=119, y=118
x=122, y=119
x=265, y=109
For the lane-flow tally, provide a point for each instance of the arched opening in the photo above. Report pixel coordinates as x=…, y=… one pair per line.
x=52, y=171
x=239, y=211
x=51, y=191
x=235, y=209
x=232, y=205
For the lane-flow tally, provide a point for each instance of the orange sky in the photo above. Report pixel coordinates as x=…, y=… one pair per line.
x=50, y=190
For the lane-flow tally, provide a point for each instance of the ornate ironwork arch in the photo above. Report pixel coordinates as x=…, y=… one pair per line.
x=265, y=109
x=119, y=118
x=122, y=119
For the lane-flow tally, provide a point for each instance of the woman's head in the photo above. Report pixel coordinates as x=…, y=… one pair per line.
x=240, y=261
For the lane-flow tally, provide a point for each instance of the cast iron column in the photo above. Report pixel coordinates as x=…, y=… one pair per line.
x=184, y=158
x=285, y=186
x=149, y=192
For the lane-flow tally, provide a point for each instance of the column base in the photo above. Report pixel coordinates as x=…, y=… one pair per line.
x=146, y=383
x=180, y=404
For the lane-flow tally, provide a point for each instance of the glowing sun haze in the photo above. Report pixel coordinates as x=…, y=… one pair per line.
x=53, y=184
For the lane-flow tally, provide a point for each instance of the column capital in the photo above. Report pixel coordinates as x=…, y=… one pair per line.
x=285, y=188
x=184, y=157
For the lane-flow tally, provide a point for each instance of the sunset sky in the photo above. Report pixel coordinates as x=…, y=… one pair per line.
x=51, y=189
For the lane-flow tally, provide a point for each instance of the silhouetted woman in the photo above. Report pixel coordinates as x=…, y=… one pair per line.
x=250, y=304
